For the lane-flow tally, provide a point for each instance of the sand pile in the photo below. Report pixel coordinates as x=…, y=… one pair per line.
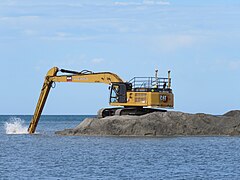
x=160, y=124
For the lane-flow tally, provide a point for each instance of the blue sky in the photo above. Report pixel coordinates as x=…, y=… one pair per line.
x=199, y=41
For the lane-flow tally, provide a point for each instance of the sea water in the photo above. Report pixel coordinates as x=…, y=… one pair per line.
x=49, y=156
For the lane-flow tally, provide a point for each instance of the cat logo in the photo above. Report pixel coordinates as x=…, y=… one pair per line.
x=163, y=98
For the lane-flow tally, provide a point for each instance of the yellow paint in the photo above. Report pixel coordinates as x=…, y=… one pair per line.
x=148, y=99
x=144, y=99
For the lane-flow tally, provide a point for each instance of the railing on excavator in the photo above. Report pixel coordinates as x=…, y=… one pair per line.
x=150, y=83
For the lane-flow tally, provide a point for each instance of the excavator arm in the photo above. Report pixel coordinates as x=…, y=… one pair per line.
x=69, y=76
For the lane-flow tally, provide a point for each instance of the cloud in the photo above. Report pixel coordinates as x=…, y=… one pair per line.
x=179, y=40
x=97, y=60
x=144, y=2
x=171, y=43
x=74, y=62
x=19, y=18
x=224, y=64
x=126, y=3
x=154, y=2
x=9, y=2
x=234, y=65
x=30, y=3
x=67, y=37
x=30, y=32
x=69, y=61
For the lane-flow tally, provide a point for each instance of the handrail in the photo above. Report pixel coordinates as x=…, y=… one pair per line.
x=149, y=82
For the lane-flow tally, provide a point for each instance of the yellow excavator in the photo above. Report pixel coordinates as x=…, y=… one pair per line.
x=129, y=98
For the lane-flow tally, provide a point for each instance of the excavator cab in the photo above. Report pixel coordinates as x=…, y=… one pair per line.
x=119, y=91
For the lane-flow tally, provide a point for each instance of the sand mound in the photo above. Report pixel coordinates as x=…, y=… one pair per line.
x=160, y=124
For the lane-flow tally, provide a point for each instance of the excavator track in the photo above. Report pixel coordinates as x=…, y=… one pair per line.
x=104, y=112
x=136, y=111
x=132, y=111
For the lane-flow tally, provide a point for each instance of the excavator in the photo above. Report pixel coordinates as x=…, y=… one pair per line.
x=140, y=95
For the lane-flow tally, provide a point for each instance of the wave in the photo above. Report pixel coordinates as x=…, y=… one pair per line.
x=15, y=126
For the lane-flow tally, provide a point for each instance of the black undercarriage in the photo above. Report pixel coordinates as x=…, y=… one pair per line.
x=120, y=111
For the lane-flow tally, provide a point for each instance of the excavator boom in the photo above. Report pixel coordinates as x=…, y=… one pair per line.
x=73, y=76
x=103, y=77
x=42, y=99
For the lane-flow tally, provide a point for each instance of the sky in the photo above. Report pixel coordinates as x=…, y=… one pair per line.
x=199, y=41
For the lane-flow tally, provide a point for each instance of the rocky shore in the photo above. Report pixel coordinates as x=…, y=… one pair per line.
x=169, y=123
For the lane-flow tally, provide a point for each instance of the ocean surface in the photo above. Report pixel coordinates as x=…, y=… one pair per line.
x=49, y=156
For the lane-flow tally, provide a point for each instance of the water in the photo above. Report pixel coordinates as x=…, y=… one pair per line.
x=15, y=126
x=48, y=156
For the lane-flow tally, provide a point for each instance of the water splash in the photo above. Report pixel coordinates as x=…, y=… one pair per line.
x=16, y=126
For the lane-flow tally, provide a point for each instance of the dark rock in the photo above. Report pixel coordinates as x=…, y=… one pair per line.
x=169, y=123
x=233, y=113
